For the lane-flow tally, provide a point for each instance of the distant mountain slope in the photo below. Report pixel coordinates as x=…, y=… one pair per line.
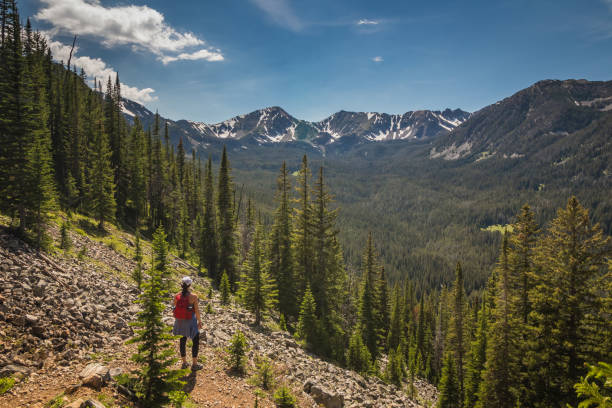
x=552, y=121
x=274, y=125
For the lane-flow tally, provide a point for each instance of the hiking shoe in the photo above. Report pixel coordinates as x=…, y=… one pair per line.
x=196, y=367
x=184, y=365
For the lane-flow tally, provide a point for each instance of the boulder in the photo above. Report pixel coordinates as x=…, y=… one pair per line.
x=91, y=403
x=323, y=396
x=11, y=369
x=95, y=375
x=75, y=404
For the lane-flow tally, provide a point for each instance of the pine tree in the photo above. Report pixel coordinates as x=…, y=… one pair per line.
x=281, y=252
x=456, y=338
x=308, y=325
x=257, y=288
x=102, y=187
x=499, y=387
x=368, y=303
x=450, y=393
x=521, y=244
x=208, y=241
x=395, y=370
x=137, y=274
x=477, y=358
x=383, y=308
x=570, y=262
x=65, y=241
x=224, y=288
x=302, y=232
x=157, y=381
x=396, y=330
x=358, y=356
x=136, y=201
x=225, y=211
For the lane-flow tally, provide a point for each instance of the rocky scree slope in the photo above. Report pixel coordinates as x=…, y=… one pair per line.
x=57, y=312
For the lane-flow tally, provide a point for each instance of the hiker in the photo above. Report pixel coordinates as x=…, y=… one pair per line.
x=187, y=321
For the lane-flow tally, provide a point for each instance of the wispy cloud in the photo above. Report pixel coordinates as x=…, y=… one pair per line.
x=281, y=13
x=96, y=68
x=138, y=26
x=365, y=21
x=609, y=3
x=208, y=55
x=378, y=59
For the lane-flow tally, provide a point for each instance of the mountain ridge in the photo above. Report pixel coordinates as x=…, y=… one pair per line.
x=274, y=125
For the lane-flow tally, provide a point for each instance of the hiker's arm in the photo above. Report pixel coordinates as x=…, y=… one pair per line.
x=196, y=307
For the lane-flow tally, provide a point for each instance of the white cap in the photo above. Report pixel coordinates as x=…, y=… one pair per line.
x=186, y=280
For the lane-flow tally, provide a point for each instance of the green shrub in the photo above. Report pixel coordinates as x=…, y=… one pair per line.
x=237, y=352
x=284, y=398
x=264, y=374
x=6, y=384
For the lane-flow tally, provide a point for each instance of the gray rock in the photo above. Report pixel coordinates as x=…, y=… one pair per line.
x=91, y=403
x=11, y=369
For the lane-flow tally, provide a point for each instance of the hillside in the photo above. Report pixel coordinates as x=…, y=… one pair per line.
x=75, y=308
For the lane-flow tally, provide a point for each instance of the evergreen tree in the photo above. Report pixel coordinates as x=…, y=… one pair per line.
x=368, y=302
x=570, y=262
x=208, y=240
x=477, y=359
x=308, y=325
x=358, y=356
x=102, y=187
x=302, y=232
x=157, y=381
x=396, y=371
x=224, y=288
x=499, y=387
x=450, y=393
x=383, y=306
x=137, y=274
x=281, y=252
x=396, y=330
x=225, y=211
x=456, y=338
x=257, y=288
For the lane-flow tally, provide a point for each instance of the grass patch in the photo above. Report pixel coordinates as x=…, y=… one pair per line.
x=6, y=384
x=499, y=228
x=57, y=402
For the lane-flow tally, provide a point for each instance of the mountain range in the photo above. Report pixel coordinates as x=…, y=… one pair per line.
x=274, y=125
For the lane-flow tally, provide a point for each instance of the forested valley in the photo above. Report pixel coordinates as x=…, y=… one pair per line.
x=537, y=326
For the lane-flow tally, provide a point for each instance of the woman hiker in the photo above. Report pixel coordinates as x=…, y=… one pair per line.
x=187, y=321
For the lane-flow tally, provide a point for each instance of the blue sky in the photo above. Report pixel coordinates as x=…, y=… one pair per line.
x=211, y=60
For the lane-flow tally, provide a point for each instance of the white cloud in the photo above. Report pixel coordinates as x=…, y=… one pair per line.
x=204, y=54
x=365, y=21
x=96, y=68
x=378, y=59
x=138, y=26
x=281, y=13
x=609, y=3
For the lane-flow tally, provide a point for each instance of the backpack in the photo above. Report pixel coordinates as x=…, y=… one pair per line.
x=183, y=310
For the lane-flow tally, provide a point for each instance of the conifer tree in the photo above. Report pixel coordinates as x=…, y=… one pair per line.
x=101, y=184
x=358, y=356
x=302, y=232
x=368, y=302
x=570, y=262
x=456, y=338
x=225, y=211
x=521, y=244
x=396, y=330
x=450, y=393
x=308, y=325
x=477, y=358
x=499, y=387
x=383, y=306
x=208, y=240
x=281, y=252
x=136, y=201
x=257, y=288
x=224, y=288
x=137, y=274
x=157, y=381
